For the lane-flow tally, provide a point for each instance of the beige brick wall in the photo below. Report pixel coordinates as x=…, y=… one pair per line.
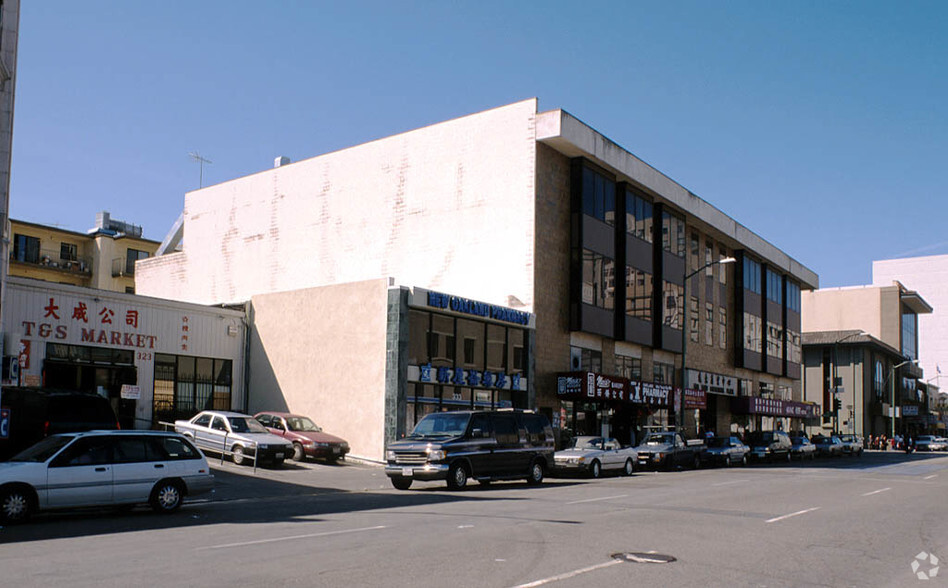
x=321, y=352
x=551, y=280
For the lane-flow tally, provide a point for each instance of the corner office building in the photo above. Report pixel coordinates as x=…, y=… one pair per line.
x=532, y=212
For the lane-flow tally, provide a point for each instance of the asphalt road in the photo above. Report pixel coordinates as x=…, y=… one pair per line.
x=841, y=522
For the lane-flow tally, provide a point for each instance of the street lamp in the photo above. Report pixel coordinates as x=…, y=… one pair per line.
x=680, y=417
x=892, y=408
x=836, y=379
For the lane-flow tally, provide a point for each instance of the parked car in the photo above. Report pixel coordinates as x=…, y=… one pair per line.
x=770, y=446
x=102, y=468
x=802, y=448
x=828, y=445
x=38, y=412
x=481, y=445
x=594, y=455
x=726, y=451
x=308, y=439
x=943, y=442
x=239, y=435
x=667, y=449
x=852, y=445
x=930, y=443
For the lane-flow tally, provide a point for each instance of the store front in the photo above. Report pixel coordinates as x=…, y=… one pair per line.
x=597, y=404
x=464, y=355
x=768, y=414
x=155, y=360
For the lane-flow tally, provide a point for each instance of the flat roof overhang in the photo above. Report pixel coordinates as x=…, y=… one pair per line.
x=914, y=302
x=573, y=138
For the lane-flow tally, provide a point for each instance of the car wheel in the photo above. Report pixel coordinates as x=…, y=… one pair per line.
x=166, y=496
x=298, y=453
x=536, y=473
x=238, y=455
x=16, y=505
x=629, y=467
x=595, y=470
x=744, y=460
x=696, y=464
x=457, y=477
x=401, y=482
x=789, y=457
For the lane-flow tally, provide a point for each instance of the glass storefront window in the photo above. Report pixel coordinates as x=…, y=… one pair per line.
x=418, y=324
x=441, y=340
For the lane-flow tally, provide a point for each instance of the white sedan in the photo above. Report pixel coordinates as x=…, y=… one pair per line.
x=594, y=455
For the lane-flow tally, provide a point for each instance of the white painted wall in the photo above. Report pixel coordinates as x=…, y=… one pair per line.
x=929, y=277
x=448, y=207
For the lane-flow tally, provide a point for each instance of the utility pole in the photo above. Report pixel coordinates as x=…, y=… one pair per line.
x=201, y=161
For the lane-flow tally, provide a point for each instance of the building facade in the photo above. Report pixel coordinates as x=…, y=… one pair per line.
x=9, y=40
x=104, y=258
x=154, y=359
x=861, y=348
x=529, y=212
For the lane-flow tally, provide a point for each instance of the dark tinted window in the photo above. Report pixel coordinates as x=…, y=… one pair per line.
x=170, y=448
x=265, y=420
x=534, y=423
x=480, y=421
x=85, y=451
x=505, y=428
x=218, y=424
x=81, y=408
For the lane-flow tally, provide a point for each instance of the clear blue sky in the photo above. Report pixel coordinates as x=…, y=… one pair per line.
x=821, y=125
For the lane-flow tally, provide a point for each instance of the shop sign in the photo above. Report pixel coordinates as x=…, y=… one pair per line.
x=569, y=386
x=774, y=407
x=481, y=309
x=94, y=324
x=696, y=399
x=711, y=383
x=909, y=410
x=469, y=378
x=130, y=392
x=651, y=394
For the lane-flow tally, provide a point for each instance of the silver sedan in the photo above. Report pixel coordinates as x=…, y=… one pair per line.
x=594, y=455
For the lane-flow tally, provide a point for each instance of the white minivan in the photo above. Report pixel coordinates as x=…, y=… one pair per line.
x=102, y=468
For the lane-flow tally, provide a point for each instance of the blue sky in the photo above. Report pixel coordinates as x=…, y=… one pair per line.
x=821, y=126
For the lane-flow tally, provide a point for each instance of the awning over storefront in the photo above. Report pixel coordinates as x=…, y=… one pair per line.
x=772, y=407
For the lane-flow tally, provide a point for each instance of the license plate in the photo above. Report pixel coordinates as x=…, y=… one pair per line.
x=337, y=449
x=279, y=455
x=407, y=472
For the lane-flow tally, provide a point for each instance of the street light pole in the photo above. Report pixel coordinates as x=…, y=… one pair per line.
x=835, y=386
x=680, y=415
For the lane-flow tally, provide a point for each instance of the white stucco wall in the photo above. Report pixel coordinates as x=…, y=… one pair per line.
x=321, y=352
x=929, y=277
x=448, y=207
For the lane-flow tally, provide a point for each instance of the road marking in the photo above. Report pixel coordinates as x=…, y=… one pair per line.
x=465, y=526
x=930, y=477
x=876, y=491
x=731, y=482
x=294, y=537
x=597, y=499
x=793, y=514
x=568, y=575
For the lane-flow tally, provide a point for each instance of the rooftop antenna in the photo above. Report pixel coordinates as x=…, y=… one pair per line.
x=201, y=160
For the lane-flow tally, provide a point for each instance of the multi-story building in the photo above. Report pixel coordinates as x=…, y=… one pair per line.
x=570, y=265
x=861, y=349
x=104, y=258
x=9, y=39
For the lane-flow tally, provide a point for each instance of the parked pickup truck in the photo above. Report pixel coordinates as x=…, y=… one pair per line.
x=239, y=435
x=667, y=450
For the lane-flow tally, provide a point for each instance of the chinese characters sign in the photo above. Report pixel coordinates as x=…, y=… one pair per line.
x=103, y=324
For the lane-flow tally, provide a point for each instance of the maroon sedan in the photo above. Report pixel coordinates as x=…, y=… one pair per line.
x=308, y=439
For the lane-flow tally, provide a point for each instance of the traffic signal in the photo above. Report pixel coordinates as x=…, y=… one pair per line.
x=837, y=404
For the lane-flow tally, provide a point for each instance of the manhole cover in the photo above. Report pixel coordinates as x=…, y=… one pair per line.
x=636, y=557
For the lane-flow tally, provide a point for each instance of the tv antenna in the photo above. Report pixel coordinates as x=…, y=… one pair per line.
x=201, y=161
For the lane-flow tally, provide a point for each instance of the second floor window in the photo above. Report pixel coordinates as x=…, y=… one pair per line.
x=598, y=280
x=638, y=293
x=26, y=248
x=599, y=196
x=68, y=252
x=673, y=234
x=131, y=257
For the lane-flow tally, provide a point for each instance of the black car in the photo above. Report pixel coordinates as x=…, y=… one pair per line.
x=36, y=413
x=483, y=445
x=770, y=446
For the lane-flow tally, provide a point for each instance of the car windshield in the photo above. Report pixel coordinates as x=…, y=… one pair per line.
x=799, y=440
x=719, y=442
x=302, y=424
x=586, y=443
x=660, y=439
x=441, y=424
x=245, y=425
x=43, y=450
x=761, y=438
